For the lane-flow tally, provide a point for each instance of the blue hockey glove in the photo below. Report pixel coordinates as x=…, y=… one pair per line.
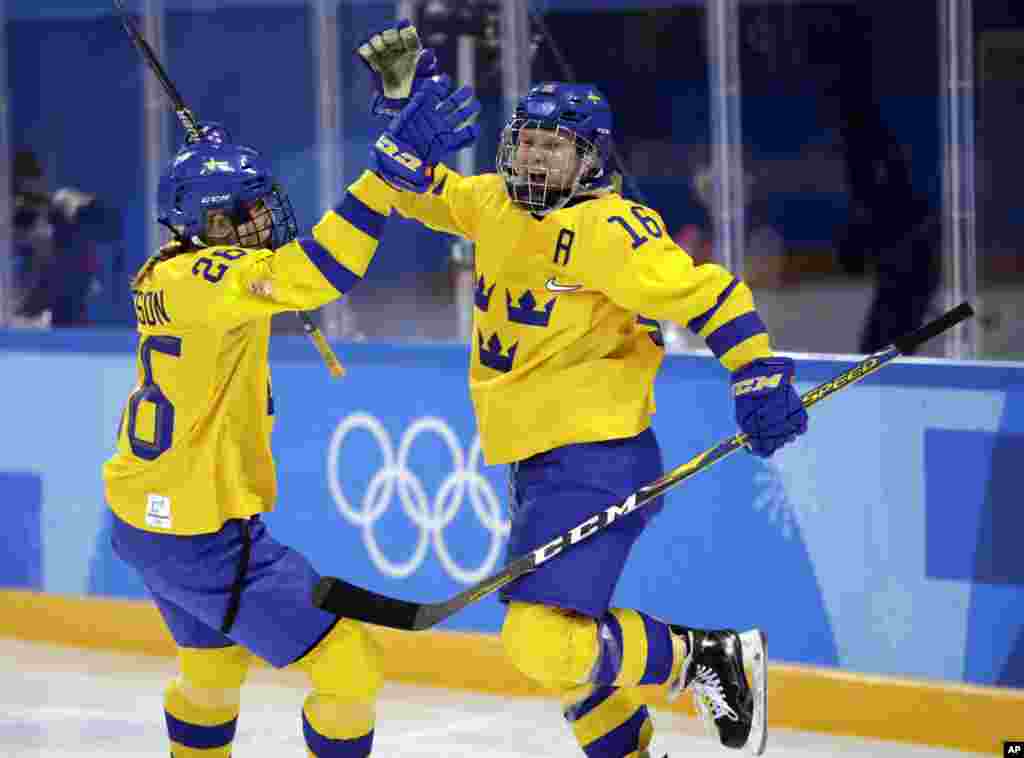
x=443, y=122
x=433, y=124
x=768, y=408
x=396, y=163
x=398, y=64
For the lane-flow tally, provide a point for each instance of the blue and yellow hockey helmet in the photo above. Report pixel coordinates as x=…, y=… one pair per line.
x=215, y=174
x=538, y=173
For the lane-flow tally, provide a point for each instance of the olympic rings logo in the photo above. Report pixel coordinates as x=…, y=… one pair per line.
x=430, y=516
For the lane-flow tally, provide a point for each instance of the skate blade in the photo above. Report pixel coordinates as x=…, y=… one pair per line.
x=755, y=662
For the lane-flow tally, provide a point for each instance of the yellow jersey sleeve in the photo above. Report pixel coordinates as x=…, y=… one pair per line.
x=640, y=267
x=309, y=271
x=452, y=204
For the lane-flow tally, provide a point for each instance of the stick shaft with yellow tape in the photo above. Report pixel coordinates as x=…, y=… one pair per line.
x=333, y=364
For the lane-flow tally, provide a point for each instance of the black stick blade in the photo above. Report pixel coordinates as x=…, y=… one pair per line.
x=343, y=599
x=951, y=318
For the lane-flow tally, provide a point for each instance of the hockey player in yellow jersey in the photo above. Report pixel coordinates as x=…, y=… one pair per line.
x=193, y=469
x=571, y=280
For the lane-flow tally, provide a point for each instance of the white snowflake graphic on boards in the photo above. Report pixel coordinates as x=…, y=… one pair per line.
x=787, y=490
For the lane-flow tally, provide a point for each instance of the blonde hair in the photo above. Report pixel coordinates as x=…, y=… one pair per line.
x=167, y=251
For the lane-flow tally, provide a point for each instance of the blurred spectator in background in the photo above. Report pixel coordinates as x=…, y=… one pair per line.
x=892, y=227
x=764, y=247
x=55, y=237
x=696, y=236
x=32, y=241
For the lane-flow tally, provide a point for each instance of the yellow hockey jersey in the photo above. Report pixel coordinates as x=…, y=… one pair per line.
x=566, y=342
x=193, y=446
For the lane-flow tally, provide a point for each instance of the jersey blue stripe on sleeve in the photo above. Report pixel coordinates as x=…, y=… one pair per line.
x=732, y=333
x=340, y=277
x=361, y=216
x=701, y=321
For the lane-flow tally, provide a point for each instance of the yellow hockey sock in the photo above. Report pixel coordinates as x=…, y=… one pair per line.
x=636, y=649
x=198, y=731
x=337, y=728
x=608, y=722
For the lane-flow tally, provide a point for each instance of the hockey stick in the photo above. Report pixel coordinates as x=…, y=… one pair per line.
x=343, y=599
x=191, y=124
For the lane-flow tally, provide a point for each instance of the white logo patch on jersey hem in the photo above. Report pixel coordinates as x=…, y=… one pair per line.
x=553, y=285
x=158, y=511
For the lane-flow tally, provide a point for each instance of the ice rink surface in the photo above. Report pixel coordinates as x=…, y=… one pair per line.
x=60, y=702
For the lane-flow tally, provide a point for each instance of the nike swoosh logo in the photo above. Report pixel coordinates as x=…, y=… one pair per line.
x=552, y=285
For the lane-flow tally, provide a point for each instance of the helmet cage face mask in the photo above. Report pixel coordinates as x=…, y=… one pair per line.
x=544, y=164
x=265, y=221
